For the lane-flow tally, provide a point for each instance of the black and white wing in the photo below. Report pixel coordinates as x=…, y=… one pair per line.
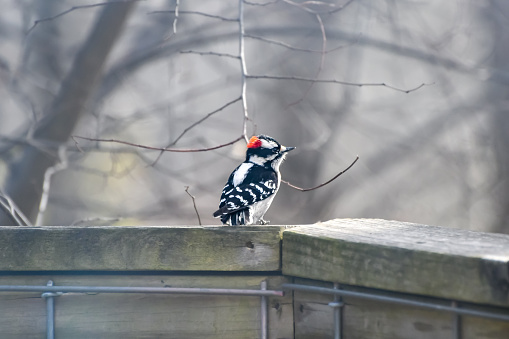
x=258, y=185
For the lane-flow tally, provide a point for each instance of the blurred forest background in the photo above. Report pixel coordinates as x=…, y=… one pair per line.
x=167, y=73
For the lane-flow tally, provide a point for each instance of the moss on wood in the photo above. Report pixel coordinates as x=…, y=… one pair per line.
x=140, y=248
x=404, y=257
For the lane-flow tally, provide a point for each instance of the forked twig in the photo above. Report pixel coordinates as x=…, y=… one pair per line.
x=325, y=183
x=194, y=204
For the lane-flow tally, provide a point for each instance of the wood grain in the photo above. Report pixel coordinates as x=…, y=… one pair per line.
x=367, y=319
x=126, y=316
x=404, y=257
x=122, y=248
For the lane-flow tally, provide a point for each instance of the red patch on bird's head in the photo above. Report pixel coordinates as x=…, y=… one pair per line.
x=254, y=142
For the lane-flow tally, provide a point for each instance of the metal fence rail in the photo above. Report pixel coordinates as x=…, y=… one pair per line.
x=50, y=292
x=337, y=304
x=120, y=289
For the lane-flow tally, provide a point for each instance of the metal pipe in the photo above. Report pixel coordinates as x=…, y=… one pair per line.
x=456, y=322
x=337, y=305
x=119, y=289
x=50, y=313
x=263, y=307
x=397, y=300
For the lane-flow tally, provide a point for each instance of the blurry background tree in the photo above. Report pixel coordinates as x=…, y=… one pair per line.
x=167, y=73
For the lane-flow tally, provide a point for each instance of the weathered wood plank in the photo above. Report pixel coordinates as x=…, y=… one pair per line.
x=119, y=316
x=124, y=248
x=404, y=257
x=368, y=319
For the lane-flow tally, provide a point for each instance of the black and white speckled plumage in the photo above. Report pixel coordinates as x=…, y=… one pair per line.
x=251, y=187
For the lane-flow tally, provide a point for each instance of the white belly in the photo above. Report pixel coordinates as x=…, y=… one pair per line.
x=259, y=209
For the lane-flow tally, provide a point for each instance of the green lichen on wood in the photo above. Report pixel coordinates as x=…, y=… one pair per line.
x=434, y=261
x=140, y=248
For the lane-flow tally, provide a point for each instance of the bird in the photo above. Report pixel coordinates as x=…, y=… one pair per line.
x=251, y=187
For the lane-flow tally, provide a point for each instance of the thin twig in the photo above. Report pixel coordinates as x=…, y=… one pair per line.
x=52, y=148
x=61, y=165
x=195, y=124
x=298, y=49
x=243, y=69
x=333, y=81
x=196, y=13
x=261, y=4
x=190, y=150
x=320, y=67
x=304, y=6
x=13, y=211
x=211, y=53
x=76, y=143
x=36, y=22
x=325, y=183
x=10, y=211
x=194, y=204
x=177, y=4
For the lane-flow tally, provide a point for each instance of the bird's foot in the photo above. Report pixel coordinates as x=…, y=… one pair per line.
x=264, y=222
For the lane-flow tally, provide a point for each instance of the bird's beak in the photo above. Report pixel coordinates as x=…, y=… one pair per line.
x=286, y=149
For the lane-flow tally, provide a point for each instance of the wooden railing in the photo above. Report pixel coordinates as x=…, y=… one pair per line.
x=430, y=265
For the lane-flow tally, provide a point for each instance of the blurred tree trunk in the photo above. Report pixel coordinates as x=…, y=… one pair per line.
x=26, y=176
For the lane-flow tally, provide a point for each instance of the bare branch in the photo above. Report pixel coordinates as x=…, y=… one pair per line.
x=212, y=53
x=305, y=6
x=325, y=183
x=36, y=22
x=333, y=81
x=243, y=69
x=261, y=4
x=13, y=211
x=196, y=124
x=62, y=155
x=293, y=48
x=194, y=204
x=190, y=150
x=46, y=146
x=76, y=143
x=10, y=211
x=51, y=148
x=322, y=61
x=196, y=13
x=177, y=4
